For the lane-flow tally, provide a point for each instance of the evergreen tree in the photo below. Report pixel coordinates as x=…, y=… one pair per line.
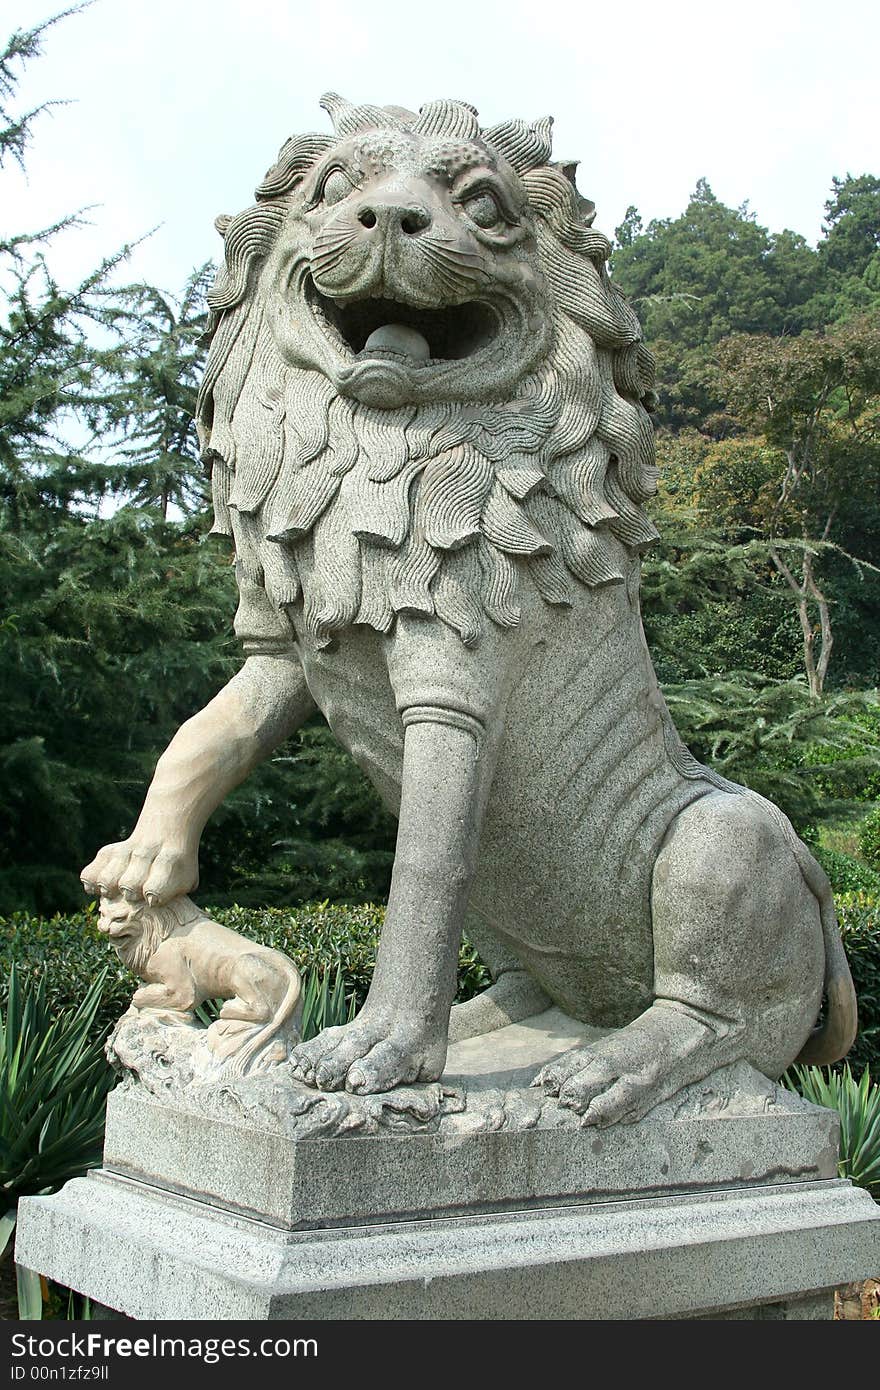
x=850, y=251
x=699, y=277
x=112, y=629
x=156, y=460
x=852, y=225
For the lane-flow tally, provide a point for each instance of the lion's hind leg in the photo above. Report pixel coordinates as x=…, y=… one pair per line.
x=260, y=989
x=738, y=966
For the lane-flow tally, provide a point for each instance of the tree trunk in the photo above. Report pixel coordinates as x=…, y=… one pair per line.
x=808, y=591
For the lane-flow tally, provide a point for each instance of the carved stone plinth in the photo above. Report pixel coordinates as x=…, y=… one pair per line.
x=478, y=1197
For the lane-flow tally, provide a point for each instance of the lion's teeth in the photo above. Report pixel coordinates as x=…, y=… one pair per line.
x=396, y=337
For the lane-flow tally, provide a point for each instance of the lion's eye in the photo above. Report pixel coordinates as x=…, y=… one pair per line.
x=336, y=187
x=483, y=210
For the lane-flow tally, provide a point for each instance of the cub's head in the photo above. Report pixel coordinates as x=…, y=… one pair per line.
x=137, y=929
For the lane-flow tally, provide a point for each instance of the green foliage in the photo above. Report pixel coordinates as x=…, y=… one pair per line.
x=850, y=251
x=53, y=1083
x=768, y=734
x=859, y=916
x=699, y=277
x=846, y=874
x=67, y=952
x=714, y=271
x=858, y=1105
x=869, y=838
x=725, y=587
x=112, y=628
x=30, y=1294
x=325, y=1005
x=816, y=400
x=150, y=408
x=21, y=47
x=308, y=826
x=120, y=634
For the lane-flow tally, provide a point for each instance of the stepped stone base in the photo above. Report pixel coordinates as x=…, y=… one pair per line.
x=474, y=1198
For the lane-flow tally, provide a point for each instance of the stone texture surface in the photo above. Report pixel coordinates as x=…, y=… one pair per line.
x=483, y=1139
x=225, y=1202
x=425, y=411
x=184, y=959
x=153, y=1255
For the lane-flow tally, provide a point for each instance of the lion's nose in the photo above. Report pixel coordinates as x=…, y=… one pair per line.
x=410, y=217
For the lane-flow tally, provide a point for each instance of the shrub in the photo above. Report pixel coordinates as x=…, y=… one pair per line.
x=859, y=917
x=54, y=1081
x=869, y=838
x=847, y=875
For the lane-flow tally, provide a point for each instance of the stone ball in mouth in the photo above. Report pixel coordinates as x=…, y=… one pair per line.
x=399, y=339
x=371, y=327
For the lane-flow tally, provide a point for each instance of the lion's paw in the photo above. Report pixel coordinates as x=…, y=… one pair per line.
x=142, y=868
x=367, y=1056
x=619, y=1078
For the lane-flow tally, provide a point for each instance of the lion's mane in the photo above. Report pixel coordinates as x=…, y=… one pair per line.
x=368, y=512
x=155, y=924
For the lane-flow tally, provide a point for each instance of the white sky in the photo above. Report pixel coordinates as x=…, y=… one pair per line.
x=179, y=106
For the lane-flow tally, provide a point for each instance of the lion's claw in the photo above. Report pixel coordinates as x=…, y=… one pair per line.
x=619, y=1078
x=138, y=869
x=367, y=1056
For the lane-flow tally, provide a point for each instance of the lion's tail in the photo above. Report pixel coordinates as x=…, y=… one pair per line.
x=239, y=1063
x=834, y=1037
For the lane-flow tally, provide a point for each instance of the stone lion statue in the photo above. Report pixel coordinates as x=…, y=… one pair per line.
x=425, y=412
x=185, y=957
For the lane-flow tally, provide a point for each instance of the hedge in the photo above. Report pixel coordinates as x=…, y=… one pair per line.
x=847, y=875
x=859, y=917
x=869, y=838
x=68, y=951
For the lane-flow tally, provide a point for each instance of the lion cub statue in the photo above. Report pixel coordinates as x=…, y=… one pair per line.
x=186, y=958
x=425, y=412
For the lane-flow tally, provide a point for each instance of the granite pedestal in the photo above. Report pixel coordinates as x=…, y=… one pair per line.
x=478, y=1197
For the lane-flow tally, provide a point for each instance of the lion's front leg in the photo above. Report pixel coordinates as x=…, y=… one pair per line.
x=214, y=751
x=400, y=1034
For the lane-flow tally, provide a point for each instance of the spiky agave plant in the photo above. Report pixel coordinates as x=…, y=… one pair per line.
x=54, y=1080
x=858, y=1105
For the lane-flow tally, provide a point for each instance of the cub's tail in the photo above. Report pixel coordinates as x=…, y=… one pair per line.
x=240, y=1063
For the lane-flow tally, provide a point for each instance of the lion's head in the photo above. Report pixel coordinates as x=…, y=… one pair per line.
x=421, y=376
x=137, y=929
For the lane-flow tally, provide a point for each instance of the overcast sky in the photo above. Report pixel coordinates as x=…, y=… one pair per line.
x=177, y=107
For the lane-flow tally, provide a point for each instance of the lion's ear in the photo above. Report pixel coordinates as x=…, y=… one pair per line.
x=222, y=223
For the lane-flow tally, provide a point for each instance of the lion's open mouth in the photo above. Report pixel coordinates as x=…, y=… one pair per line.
x=368, y=328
